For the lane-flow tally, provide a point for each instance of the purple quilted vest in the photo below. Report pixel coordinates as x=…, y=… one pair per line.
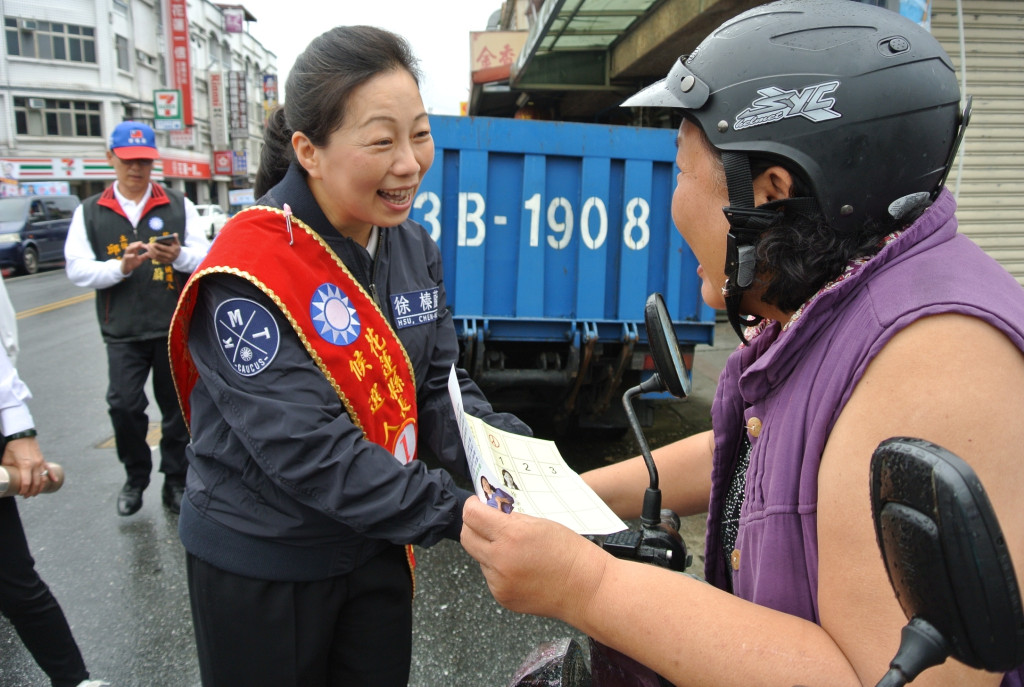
x=796, y=383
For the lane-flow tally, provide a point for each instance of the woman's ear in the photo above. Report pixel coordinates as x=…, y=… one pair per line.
x=305, y=153
x=774, y=183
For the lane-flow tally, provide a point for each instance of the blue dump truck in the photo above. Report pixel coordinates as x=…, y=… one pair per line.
x=553, y=234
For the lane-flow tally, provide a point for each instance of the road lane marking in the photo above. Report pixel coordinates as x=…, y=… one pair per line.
x=55, y=306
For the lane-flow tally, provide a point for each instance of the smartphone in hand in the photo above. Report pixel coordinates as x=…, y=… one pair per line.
x=166, y=239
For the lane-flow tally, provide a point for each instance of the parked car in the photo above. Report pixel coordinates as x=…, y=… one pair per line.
x=33, y=229
x=215, y=216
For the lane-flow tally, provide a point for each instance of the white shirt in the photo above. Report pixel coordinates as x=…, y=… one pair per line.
x=85, y=270
x=14, y=413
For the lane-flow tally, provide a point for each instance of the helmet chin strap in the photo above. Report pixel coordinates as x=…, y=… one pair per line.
x=740, y=262
x=746, y=223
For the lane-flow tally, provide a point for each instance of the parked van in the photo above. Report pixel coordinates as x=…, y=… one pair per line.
x=33, y=229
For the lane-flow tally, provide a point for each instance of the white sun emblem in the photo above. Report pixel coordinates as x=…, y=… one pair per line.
x=246, y=354
x=335, y=318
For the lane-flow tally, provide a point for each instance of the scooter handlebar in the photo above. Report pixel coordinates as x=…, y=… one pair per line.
x=658, y=545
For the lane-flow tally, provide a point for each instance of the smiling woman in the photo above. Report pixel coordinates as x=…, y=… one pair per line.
x=308, y=386
x=370, y=168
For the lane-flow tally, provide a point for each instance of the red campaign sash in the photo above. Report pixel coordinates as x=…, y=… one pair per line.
x=340, y=326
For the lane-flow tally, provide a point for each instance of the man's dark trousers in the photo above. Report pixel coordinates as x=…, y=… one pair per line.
x=128, y=365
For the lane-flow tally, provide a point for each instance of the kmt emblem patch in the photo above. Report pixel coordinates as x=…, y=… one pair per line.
x=248, y=335
x=334, y=316
x=415, y=307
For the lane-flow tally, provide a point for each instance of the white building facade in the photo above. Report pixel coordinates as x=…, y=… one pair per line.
x=72, y=69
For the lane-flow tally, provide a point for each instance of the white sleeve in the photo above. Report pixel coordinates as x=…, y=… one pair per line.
x=14, y=413
x=8, y=325
x=81, y=265
x=196, y=245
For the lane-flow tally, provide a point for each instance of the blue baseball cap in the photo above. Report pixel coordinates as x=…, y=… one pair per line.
x=133, y=141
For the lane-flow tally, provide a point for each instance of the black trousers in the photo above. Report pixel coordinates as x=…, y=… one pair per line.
x=28, y=604
x=128, y=367
x=349, y=631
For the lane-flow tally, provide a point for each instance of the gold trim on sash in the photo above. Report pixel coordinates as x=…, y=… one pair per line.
x=377, y=345
x=401, y=397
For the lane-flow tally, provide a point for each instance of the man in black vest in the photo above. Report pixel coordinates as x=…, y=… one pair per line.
x=136, y=244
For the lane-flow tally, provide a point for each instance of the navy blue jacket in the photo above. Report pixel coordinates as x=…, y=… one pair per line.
x=282, y=485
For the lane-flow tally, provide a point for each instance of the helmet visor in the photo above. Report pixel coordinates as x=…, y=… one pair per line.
x=681, y=88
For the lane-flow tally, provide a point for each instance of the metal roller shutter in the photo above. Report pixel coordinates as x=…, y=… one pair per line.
x=990, y=177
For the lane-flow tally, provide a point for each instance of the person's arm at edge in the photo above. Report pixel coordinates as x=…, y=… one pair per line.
x=22, y=454
x=684, y=477
x=908, y=390
x=650, y=614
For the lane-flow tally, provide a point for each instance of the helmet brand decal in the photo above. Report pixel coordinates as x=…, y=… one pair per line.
x=777, y=104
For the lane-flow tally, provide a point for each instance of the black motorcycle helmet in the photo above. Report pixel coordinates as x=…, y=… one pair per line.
x=858, y=101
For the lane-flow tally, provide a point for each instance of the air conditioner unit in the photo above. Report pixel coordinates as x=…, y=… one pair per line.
x=36, y=103
x=28, y=24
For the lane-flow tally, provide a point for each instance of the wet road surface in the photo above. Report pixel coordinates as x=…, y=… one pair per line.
x=121, y=581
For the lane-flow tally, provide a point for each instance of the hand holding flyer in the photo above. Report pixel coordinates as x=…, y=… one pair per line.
x=528, y=475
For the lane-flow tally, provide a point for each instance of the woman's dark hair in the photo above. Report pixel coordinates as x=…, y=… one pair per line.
x=318, y=88
x=799, y=252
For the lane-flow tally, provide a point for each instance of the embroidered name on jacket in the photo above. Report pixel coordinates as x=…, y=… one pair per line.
x=415, y=307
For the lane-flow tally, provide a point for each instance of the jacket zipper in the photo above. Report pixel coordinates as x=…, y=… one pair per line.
x=373, y=272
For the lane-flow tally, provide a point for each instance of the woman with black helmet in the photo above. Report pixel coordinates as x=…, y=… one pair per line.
x=825, y=131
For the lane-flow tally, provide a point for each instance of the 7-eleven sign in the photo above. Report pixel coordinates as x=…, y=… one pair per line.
x=167, y=110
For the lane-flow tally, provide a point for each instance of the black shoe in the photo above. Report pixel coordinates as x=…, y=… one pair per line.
x=129, y=501
x=172, y=494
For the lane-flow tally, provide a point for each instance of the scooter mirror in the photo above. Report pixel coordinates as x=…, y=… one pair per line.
x=945, y=555
x=665, y=347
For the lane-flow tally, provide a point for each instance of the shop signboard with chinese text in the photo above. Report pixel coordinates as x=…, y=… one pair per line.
x=241, y=196
x=239, y=163
x=180, y=168
x=492, y=54
x=222, y=162
x=234, y=20
x=45, y=169
x=238, y=103
x=181, y=68
x=218, y=111
x=186, y=138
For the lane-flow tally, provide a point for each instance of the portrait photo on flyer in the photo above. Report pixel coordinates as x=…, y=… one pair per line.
x=528, y=475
